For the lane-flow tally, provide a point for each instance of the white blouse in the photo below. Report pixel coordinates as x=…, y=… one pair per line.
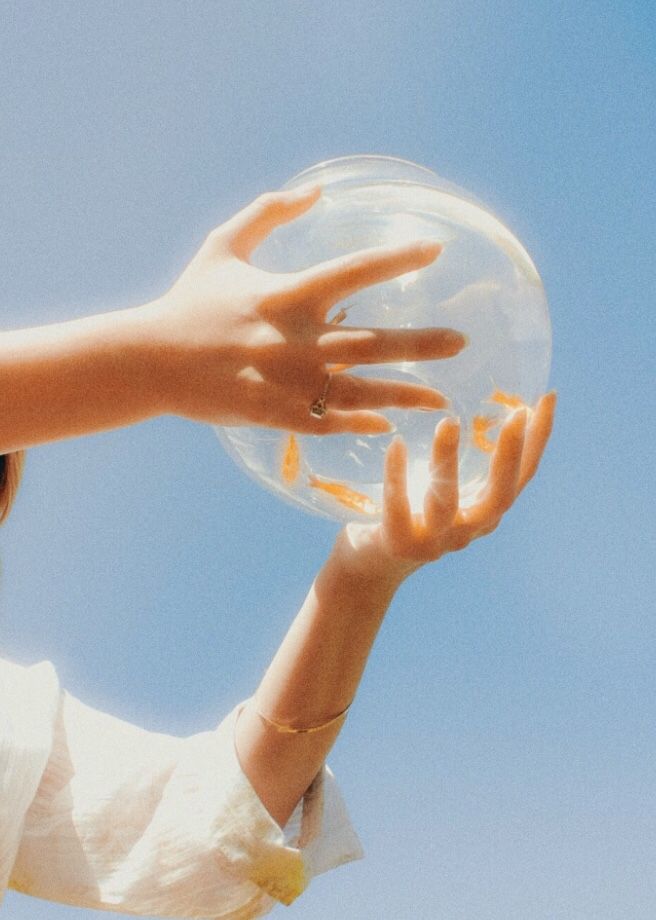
x=96, y=812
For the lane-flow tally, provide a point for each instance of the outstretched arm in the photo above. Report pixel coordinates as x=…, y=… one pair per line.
x=228, y=344
x=316, y=672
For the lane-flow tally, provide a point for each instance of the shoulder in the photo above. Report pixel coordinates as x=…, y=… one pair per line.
x=29, y=702
x=28, y=687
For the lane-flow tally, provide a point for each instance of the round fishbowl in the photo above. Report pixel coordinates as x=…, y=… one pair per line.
x=484, y=284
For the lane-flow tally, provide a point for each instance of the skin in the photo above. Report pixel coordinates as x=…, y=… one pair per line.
x=317, y=670
x=232, y=344
x=228, y=344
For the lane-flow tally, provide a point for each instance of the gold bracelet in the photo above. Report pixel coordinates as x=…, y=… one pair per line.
x=290, y=730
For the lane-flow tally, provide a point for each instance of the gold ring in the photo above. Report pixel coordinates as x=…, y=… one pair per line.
x=319, y=408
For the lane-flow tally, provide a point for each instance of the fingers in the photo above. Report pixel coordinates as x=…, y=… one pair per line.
x=275, y=406
x=503, y=479
x=441, y=501
x=505, y=464
x=247, y=229
x=376, y=346
x=537, y=435
x=397, y=517
x=337, y=422
x=349, y=400
x=348, y=392
x=335, y=279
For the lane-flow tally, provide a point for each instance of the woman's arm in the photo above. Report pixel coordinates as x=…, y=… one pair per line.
x=77, y=377
x=313, y=677
x=228, y=344
x=316, y=672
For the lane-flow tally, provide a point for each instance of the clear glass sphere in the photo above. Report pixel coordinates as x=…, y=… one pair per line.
x=483, y=284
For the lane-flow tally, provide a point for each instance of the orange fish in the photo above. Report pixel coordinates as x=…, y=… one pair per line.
x=335, y=321
x=356, y=501
x=291, y=461
x=338, y=317
x=481, y=426
x=507, y=399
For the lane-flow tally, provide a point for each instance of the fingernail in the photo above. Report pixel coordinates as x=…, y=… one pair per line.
x=305, y=191
x=451, y=422
x=455, y=340
x=434, y=402
x=382, y=426
x=430, y=247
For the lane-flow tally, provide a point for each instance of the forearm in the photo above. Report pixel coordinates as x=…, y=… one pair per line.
x=77, y=377
x=314, y=676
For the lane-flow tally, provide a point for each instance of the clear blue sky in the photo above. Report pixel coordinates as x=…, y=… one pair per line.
x=498, y=763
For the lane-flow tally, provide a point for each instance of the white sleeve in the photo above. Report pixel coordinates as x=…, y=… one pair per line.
x=145, y=823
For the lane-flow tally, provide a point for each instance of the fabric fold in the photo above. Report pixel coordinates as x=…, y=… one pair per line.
x=116, y=817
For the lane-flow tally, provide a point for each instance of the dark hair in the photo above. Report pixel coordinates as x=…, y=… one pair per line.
x=11, y=471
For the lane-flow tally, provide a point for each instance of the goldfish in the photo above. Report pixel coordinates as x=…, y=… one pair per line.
x=338, y=317
x=481, y=425
x=356, y=501
x=291, y=461
x=511, y=401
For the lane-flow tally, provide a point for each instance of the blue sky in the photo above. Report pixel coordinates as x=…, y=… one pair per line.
x=498, y=762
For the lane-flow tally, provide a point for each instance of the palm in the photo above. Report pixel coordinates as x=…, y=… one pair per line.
x=404, y=541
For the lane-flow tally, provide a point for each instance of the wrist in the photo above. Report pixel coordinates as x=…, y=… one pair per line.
x=196, y=372
x=131, y=358
x=367, y=565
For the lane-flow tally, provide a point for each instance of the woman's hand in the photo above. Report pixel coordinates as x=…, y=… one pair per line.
x=244, y=346
x=403, y=542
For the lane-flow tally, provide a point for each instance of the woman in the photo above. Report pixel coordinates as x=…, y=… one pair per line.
x=97, y=812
